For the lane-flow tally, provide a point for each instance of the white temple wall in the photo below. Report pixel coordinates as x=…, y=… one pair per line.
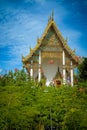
x=35, y=73
x=50, y=70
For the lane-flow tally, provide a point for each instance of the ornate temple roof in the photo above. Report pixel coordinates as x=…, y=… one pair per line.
x=51, y=23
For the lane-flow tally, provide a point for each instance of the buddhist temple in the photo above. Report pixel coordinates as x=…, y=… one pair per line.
x=51, y=59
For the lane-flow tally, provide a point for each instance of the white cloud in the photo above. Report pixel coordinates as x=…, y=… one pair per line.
x=73, y=39
x=21, y=36
x=73, y=35
x=0, y=70
x=74, y=42
x=23, y=28
x=26, y=25
x=38, y=1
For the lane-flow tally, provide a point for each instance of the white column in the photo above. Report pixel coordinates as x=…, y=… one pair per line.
x=71, y=73
x=63, y=57
x=31, y=69
x=39, y=69
x=64, y=70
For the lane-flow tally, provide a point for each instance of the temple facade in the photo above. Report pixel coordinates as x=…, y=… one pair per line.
x=51, y=59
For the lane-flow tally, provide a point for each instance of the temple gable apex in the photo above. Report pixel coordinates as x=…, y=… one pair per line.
x=51, y=58
x=51, y=32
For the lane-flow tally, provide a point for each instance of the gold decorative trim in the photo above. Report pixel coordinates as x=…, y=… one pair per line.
x=60, y=37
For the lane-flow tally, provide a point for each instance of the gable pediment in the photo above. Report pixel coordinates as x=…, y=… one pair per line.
x=51, y=40
x=51, y=37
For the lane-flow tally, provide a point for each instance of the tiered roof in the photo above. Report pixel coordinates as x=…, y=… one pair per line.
x=51, y=23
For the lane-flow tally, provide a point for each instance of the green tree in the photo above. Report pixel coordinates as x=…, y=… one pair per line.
x=31, y=107
x=18, y=77
x=83, y=70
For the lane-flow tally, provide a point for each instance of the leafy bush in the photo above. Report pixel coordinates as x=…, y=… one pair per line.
x=18, y=77
x=83, y=70
x=29, y=107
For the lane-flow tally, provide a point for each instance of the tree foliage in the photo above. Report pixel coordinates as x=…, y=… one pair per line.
x=25, y=105
x=83, y=70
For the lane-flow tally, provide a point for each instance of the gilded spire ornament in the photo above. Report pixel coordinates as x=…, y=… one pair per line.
x=52, y=15
x=74, y=50
x=66, y=39
x=50, y=18
x=37, y=39
x=22, y=56
x=30, y=48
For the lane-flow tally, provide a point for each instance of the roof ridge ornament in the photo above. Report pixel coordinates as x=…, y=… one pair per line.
x=52, y=14
x=37, y=39
x=66, y=40
x=51, y=17
x=30, y=49
x=22, y=56
x=74, y=50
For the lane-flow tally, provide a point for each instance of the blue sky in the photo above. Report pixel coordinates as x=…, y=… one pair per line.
x=22, y=21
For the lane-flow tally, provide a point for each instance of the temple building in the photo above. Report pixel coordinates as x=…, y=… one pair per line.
x=51, y=59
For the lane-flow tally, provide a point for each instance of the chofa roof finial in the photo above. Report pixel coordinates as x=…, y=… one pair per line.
x=49, y=19
x=67, y=39
x=37, y=39
x=22, y=56
x=52, y=14
x=74, y=50
x=30, y=48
